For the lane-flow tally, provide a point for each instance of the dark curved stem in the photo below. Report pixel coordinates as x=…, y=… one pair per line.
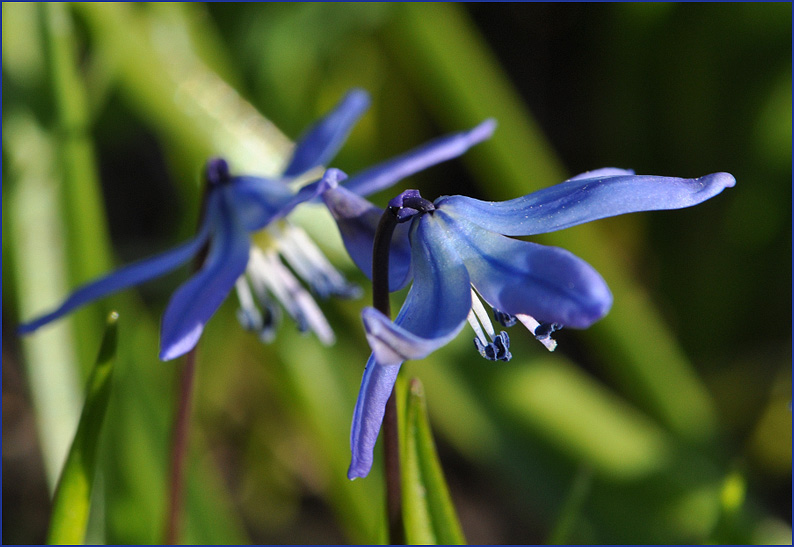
x=391, y=445
x=380, y=263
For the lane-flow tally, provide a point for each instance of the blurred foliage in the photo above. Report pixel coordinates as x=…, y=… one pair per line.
x=667, y=422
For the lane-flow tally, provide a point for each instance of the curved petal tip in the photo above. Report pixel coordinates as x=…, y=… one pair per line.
x=357, y=99
x=483, y=131
x=358, y=470
x=720, y=180
x=171, y=349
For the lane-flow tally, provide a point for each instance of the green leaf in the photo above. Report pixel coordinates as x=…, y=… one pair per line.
x=72, y=500
x=428, y=513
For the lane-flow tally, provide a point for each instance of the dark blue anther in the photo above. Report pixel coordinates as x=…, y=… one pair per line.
x=249, y=319
x=270, y=315
x=301, y=321
x=486, y=350
x=270, y=321
x=498, y=350
x=505, y=319
x=544, y=330
x=502, y=343
x=217, y=171
x=409, y=204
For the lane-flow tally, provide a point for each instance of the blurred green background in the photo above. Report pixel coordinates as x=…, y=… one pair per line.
x=667, y=422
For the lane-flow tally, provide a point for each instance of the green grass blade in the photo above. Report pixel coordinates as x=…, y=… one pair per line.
x=428, y=512
x=87, y=240
x=72, y=502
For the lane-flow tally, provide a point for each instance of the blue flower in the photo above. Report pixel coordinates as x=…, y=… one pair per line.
x=459, y=254
x=237, y=207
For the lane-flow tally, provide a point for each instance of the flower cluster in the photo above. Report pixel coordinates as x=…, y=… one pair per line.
x=459, y=253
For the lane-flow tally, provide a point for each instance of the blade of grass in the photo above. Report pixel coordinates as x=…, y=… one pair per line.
x=86, y=240
x=429, y=514
x=72, y=501
x=35, y=241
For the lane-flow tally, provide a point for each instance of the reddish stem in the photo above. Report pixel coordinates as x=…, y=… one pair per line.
x=179, y=450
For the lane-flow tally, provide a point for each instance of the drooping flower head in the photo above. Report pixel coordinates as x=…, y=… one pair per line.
x=459, y=253
x=237, y=206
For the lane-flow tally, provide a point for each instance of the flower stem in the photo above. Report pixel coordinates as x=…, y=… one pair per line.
x=391, y=445
x=179, y=449
x=401, y=209
x=182, y=417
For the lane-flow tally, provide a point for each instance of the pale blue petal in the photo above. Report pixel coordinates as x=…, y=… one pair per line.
x=436, y=306
x=198, y=298
x=444, y=148
x=322, y=141
x=376, y=388
x=584, y=199
x=358, y=220
x=517, y=277
x=125, y=277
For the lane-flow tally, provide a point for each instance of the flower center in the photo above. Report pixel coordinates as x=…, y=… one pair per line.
x=281, y=257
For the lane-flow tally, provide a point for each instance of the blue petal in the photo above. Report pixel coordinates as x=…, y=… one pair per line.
x=433, y=314
x=436, y=306
x=518, y=277
x=586, y=198
x=123, y=278
x=197, y=299
x=376, y=387
x=442, y=149
x=259, y=201
x=358, y=220
x=322, y=141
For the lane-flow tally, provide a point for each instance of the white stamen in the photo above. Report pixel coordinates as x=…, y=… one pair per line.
x=311, y=264
x=248, y=314
x=480, y=321
x=482, y=315
x=475, y=326
x=531, y=324
x=268, y=272
x=244, y=293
